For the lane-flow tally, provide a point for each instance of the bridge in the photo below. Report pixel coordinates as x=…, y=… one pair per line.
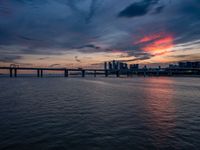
x=13, y=71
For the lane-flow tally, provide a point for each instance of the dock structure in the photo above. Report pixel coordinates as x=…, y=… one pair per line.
x=40, y=72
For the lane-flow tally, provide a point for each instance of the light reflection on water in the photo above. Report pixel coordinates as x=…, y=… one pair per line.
x=161, y=108
x=99, y=113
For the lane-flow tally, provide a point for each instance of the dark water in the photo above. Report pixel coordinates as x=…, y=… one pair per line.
x=96, y=114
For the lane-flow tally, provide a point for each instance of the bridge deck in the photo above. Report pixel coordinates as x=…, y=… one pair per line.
x=167, y=71
x=52, y=69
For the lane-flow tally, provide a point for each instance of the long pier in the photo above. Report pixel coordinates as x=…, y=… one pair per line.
x=13, y=71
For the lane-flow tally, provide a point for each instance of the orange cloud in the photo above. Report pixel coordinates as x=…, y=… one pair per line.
x=157, y=43
x=147, y=38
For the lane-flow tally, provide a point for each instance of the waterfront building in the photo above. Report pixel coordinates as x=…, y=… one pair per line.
x=115, y=65
x=134, y=66
x=189, y=64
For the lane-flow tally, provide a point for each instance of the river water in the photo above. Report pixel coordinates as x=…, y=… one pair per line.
x=99, y=113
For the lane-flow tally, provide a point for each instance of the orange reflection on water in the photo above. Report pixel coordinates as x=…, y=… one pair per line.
x=160, y=107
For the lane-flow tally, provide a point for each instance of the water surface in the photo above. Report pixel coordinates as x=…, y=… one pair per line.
x=99, y=113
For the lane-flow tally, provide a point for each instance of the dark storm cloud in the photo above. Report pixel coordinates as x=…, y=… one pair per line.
x=159, y=9
x=43, y=58
x=93, y=8
x=9, y=58
x=89, y=46
x=27, y=38
x=138, y=54
x=79, y=11
x=144, y=57
x=138, y=8
x=185, y=25
x=77, y=59
x=32, y=2
x=46, y=27
x=54, y=65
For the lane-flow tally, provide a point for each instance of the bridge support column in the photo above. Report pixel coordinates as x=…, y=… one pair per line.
x=41, y=73
x=66, y=73
x=137, y=73
x=127, y=73
x=38, y=73
x=95, y=73
x=83, y=73
x=170, y=73
x=11, y=72
x=106, y=73
x=158, y=73
x=118, y=73
x=15, y=72
x=145, y=73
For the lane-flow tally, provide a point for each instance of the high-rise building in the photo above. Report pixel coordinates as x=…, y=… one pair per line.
x=189, y=64
x=116, y=65
x=105, y=65
x=134, y=66
x=110, y=65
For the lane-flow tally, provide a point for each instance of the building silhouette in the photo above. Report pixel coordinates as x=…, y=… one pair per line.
x=134, y=67
x=188, y=65
x=115, y=65
x=119, y=65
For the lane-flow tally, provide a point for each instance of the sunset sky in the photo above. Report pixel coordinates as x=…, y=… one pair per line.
x=85, y=33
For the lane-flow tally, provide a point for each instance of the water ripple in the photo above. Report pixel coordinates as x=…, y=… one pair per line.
x=100, y=113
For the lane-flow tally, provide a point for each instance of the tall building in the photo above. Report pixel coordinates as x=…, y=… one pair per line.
x=189, y=64
x=134, y=66
x=115, y=65
x=110, y=66
x=173, y=66
x=105, y=65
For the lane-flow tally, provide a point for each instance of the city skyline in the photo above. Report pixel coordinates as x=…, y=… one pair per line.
x=77, y=33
